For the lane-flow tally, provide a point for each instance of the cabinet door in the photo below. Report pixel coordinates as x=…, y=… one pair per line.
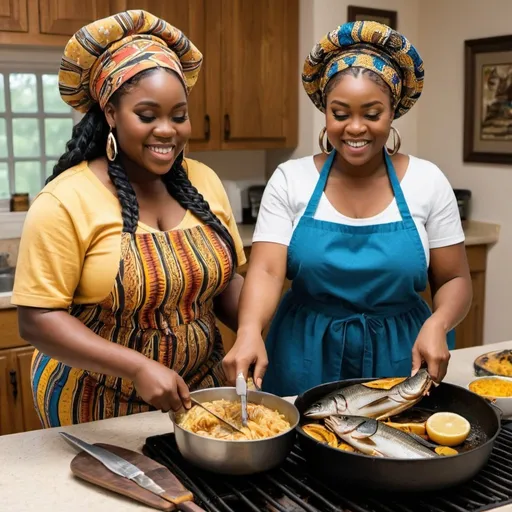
x=21, y=360
x=64, y=17
x=260, y=77
x=191, y=16
x=13, y=16
x=6, y=402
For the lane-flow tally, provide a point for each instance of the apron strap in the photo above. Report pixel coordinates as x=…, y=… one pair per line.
x=320, y=186
x=398, y=193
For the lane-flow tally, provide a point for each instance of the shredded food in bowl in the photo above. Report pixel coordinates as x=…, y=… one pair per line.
x=492, y=387
x=262, y=422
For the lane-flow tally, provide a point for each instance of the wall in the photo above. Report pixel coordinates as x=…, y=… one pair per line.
x=444, y=27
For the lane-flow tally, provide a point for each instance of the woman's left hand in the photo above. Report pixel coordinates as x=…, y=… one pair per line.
x=431, y=347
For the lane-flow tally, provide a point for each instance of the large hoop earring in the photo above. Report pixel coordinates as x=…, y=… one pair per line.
x=397, y=142
x=321, y=142
x=111, y=146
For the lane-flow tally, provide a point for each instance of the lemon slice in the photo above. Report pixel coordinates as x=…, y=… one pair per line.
x=447, y=428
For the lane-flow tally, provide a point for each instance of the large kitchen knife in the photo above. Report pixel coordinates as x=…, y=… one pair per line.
x=121, y=467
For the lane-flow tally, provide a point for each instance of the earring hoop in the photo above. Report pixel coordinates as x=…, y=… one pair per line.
x=111, y=149
x=321, y=142
x=397, y=142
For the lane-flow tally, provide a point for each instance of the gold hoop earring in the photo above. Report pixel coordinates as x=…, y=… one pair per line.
x=321, y=142
x=397, y=142
x=111, y=146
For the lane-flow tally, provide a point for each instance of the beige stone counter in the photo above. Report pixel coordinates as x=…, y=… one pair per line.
x=34, y=466
x=5, y=301
x=481, y=233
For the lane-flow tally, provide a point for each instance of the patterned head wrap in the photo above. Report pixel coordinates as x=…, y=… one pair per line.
x=370, y=45
x=103, y=55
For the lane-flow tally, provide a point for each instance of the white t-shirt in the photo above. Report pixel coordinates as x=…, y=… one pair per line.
x=428, y=193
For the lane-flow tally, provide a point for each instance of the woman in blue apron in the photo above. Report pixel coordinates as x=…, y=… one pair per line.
x=358, y=230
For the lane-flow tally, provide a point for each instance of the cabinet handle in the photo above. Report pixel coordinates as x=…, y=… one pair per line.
x=14, y=383
x=207, y=127
x=227, y=127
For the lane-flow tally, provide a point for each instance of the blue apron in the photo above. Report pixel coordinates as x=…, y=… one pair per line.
x=353, y=309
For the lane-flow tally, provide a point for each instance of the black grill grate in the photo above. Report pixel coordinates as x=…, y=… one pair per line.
x=291, y=488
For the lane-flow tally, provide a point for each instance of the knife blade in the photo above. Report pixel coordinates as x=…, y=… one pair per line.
x=121, y=467
x=241, y=391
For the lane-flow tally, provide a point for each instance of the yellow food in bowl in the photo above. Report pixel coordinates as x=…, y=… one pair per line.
x=262, y=422
x=492, y=387
x=447, y=428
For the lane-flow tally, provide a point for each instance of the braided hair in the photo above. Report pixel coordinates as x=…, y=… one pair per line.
x=88, y=142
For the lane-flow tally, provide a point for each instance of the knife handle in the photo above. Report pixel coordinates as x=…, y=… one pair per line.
x=190, y=506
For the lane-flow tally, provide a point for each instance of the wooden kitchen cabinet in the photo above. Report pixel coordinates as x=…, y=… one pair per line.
x=13, y=16
x=17, y=412
x=470, y=332
x=259, y=90
x=246, y=96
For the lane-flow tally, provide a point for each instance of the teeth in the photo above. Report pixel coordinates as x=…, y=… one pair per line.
x=358, y=144
x=161, y=150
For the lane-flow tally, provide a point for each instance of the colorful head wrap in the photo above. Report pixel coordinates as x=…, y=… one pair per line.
x=370, y=45
x=103, y=55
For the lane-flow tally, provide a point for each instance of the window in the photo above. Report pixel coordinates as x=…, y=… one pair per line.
x=35, y=125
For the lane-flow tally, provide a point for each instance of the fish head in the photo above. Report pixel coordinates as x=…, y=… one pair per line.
x=415, y=387
x=343, y=425
x=327, y=406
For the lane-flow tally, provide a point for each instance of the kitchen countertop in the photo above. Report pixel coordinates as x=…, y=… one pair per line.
x=34, y=469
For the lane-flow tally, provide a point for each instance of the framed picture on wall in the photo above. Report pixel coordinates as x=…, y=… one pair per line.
x=488, y=100
x=366, y=14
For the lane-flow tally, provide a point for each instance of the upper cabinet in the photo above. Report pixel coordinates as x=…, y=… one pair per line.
x=64, y=17
x=246, y=96
x=259, y=73
x=13, y=16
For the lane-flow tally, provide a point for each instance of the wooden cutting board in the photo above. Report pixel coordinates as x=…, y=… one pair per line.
x=88, y=468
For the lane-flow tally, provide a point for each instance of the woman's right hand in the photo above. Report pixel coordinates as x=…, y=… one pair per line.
x=161, y=387
x=249, y=349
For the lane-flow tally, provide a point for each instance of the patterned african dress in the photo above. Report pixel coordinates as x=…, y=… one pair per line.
x=161, y=305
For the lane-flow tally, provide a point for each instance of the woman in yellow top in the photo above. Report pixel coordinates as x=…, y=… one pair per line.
x=130, y=250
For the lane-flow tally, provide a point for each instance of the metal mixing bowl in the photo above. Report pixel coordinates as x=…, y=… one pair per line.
x=238, y=457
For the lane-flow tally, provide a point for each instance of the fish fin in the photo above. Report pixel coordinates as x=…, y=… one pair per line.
x=361, y=435
x=422, y=441
x=371, y=401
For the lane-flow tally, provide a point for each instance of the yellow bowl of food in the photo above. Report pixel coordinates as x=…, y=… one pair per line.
x=496, y=389
x=210, y=444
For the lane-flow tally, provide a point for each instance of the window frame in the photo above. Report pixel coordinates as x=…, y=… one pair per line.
x=31, y=61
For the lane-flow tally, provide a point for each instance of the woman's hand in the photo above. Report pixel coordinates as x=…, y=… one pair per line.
x=248, y=349
x=161, y=387
x=431, y=347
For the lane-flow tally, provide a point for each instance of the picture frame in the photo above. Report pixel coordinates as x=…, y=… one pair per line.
x=488, y=100
x=388, y=18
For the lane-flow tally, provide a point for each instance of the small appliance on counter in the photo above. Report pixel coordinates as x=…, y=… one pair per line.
x=251, y=204
x=463, y=197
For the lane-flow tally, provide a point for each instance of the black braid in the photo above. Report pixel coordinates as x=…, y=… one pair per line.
x=88, y=142
x=180, y=188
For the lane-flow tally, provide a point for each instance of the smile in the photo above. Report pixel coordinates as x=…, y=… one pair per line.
x=161, y=150
x=357, y=143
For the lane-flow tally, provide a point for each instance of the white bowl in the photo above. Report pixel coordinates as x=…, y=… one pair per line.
x=503, y=403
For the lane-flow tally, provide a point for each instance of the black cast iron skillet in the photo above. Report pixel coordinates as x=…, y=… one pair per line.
x=346, y=468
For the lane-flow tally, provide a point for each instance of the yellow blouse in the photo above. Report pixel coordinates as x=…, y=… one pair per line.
x=71, y=242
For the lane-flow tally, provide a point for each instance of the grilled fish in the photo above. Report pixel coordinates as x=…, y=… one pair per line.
x=375, y=438
x=359, y=400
